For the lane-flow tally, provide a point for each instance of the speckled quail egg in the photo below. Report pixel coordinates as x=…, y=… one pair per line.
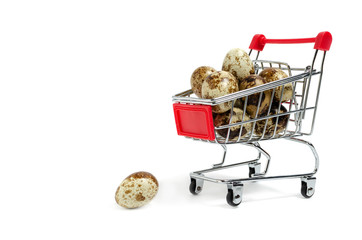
x=238, y=63
x=273, y=74
x=198, y=77
x=224, y=119
x=253, y=100
x=136, y=190
x=218, y=84
x=270, y=126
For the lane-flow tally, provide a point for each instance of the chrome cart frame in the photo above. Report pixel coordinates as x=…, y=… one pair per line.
x=300, y=114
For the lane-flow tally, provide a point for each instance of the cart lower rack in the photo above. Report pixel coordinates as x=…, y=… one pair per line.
x=283, y=119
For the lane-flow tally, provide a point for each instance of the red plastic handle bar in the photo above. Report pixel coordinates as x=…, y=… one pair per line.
x=322, y=42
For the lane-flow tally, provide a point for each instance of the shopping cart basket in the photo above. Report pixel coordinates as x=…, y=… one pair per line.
x=194, y=117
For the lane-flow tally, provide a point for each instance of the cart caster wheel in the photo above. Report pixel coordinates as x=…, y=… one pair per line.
x=233, y=197
x=308, y=187
x=254, y=169
x=196, y=186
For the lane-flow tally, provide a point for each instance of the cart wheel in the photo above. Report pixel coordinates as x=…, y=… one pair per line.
x=308, y=187
x=196, y=186
x=233, y=197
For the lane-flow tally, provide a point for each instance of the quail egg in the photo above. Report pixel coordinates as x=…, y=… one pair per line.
x=238, y=63
x=273, y=74
x=198, y=77
x=218, y=84
x=237, y=116
x=136, y=190
x=253, y=100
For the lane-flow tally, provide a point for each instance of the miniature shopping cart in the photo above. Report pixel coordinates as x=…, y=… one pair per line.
x=194, y=117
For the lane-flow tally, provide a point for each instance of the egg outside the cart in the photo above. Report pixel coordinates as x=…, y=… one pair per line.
x=136, y=190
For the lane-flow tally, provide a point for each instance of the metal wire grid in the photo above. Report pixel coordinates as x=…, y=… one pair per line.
x=297, y=107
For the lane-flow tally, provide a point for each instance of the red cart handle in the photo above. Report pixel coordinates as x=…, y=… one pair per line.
x=322, y=42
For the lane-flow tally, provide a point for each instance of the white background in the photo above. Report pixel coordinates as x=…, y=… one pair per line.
x=85, y=100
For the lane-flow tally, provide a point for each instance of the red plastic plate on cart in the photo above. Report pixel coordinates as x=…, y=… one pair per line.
x=194, y=121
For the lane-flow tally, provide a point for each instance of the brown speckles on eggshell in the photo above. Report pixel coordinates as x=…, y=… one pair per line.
x=253, y=100
x=251, y=81
x=238, y=62
x=198, y=77
x=224, y=119
x=143, y=175
x=140, y=197
x=219, y=84
x=268, y=73
x=270, y=126
x=274, y=74
x=136, y=190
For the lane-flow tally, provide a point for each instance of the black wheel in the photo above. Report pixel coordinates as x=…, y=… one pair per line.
x=192, y=187
x=230, y=198
x=305, y=191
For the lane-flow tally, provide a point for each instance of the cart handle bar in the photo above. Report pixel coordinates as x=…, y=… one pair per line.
x=322, y=42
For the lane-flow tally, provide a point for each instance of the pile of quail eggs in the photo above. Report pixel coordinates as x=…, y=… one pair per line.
x=237, y=74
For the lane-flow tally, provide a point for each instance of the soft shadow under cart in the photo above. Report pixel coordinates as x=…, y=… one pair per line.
x=194, y=117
